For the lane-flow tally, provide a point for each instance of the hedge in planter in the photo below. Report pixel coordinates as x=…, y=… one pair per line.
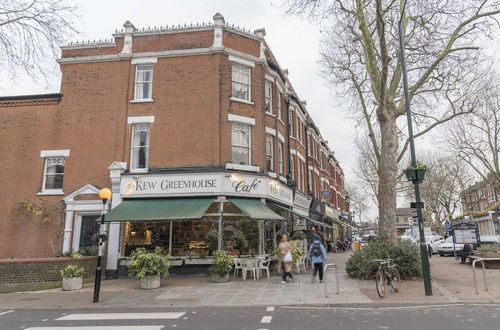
x=143, y=263
x=406, y=256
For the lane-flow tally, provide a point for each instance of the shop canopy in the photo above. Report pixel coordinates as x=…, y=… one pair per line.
x=159, y=209
x=319, y=223
x=255, y=209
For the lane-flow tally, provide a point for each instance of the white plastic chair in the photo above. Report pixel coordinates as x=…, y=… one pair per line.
x=250, y=266
x=301, y=262
x=264, y=265
x=238, y=265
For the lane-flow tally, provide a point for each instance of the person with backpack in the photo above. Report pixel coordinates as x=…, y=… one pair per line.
x=317, y=253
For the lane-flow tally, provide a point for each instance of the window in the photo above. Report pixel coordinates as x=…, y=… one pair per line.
x=270, y=153
x=144, y=82
x=278, y=106
x=268, y=96
x=292, y=167
x=241, y=82
x=54, y=174
x=309, y=145
x=241, y=146
x=290, y=123
x=280, y=158
x=140, y=147
x=309, y=180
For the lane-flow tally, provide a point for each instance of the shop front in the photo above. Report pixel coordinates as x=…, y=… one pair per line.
x=190, y=215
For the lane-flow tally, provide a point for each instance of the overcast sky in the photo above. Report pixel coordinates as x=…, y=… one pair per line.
x=293, y=41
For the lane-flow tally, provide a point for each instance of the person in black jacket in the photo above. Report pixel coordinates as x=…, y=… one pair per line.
x=467, y=249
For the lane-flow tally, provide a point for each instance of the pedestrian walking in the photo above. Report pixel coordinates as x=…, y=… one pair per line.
x=285, y=252
x=317, y=252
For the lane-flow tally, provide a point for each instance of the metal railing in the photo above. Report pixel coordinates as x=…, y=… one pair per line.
x=482, y=260
x=326, y=277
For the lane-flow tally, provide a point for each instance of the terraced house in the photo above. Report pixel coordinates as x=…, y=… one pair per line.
x=195, y=129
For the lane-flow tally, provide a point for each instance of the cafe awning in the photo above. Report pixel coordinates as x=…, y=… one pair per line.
x=159, y=209
x=319, y=223
x=255, y=209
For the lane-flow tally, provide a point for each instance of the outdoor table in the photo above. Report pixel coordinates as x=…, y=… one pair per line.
x=250, y=263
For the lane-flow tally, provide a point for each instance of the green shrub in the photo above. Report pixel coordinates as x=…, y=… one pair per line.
x=72, y=271
x=489, y=248
x=298, y=235
x=222, y=263
x=406, y=256
x=145, y=263
x=296, y=251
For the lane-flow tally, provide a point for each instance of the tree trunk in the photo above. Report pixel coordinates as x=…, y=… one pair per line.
x=387, y=172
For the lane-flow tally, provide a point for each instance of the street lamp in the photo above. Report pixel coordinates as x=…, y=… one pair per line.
x=418, y=203
x=105, y=195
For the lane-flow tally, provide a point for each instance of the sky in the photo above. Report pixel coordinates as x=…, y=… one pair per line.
x=293, y=40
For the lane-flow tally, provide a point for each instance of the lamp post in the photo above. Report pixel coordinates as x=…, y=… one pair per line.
x=105, y=195
x=423, y=246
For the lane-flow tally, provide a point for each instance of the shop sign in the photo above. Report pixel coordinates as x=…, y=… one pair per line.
x=301, y=200
x=205, y=184
x=331, y=212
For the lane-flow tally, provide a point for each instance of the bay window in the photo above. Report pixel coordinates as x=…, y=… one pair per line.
x=270, y=153
x=241, y=82
x=241, y=144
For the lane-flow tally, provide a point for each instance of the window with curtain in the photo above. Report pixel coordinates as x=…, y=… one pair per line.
x=241, y=82
x=278, y=105
x=270, y=153
x=144, y=82
x=54, y=173
x=241, y=144
x=280, y=158
x=140, y=146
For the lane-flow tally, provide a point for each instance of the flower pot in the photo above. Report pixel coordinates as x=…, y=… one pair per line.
x=71, y=283
x=220, y=278
x=415, y=174
x=150, y=282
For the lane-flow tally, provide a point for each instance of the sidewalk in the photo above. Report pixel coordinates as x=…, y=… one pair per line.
x=452, y=282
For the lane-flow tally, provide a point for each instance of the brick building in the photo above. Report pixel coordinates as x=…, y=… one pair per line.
x=481, y=203
x=197, y=124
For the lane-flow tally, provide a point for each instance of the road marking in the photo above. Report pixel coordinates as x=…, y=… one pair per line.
x=266, y=319
x=375, y=308
x=121, y=327
x=119, y=316
x=421, y=306
x=6, y=312
x=270, y=309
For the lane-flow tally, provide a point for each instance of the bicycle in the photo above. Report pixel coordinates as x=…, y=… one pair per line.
x=387, y=273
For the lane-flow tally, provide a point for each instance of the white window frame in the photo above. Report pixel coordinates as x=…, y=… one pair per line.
x=270, y=138
x=268, y=96
x=290, y=123
x=140, y=127
x=278, y=105
x=62, y=161
x=149, y=97
x=280, y=158
x=310, y=185
x=292, y=167
x=249, y=84
x=249, y=147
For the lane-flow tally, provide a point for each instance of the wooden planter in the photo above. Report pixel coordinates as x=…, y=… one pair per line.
x=494, y=264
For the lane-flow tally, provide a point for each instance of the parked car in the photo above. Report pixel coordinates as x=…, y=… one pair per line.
x=433, y=243
x=490, y=239
x=446, y=248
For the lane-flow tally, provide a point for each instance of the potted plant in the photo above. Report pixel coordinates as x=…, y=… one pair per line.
x=238, y=237
x=298, y=235
x=72, y=278
x=416, y=173
x=149, y=267
x=212, y=238
x=221, y=266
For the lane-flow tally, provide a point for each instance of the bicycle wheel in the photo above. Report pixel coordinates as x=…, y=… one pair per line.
x=396, y=280
x=380, y=283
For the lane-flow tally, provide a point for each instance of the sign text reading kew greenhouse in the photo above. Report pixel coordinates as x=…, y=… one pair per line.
x=175, y=184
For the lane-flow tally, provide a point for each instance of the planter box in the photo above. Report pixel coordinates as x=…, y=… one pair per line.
x=415, y=174
x=150, y=282
x=494, y=264
x=71, y=283
x=198, y=261
x=220, y=279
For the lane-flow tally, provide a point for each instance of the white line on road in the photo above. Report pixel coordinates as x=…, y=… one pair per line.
x=121, y=327
x=266, y=319
x=6, y=312
x=270, y=309
x=120, y=316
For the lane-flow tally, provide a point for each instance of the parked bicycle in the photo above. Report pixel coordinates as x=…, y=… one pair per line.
x=387, y=274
